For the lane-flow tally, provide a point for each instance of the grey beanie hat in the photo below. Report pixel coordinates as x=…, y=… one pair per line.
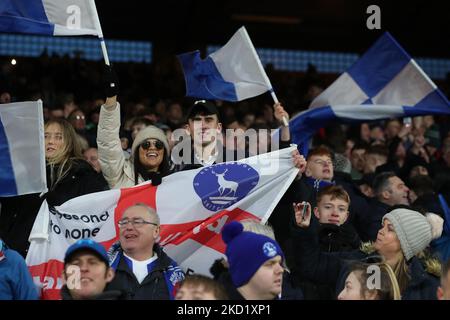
x=150, y=132
x=412, y=229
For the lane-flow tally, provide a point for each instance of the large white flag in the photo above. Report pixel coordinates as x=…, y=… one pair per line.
x=193, y=207
x=22, y=155
x=232, y=73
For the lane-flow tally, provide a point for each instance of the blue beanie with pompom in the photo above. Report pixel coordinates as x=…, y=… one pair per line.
x=247, y=251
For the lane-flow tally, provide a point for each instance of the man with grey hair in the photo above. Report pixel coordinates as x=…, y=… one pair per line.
x=142, y=268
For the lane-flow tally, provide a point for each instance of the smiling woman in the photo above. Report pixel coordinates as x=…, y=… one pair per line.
x=149, y=153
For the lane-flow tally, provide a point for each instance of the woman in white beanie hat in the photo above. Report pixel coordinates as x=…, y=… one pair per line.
x=404, y=235
x=149, y=153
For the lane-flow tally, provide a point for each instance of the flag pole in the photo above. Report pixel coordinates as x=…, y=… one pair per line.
x=98, y=27
x=263, y=72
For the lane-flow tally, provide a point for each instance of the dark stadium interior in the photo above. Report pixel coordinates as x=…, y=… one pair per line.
x=328, y=25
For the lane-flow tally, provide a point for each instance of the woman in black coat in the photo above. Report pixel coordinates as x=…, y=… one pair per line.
x=68, y=176
x=405, y=234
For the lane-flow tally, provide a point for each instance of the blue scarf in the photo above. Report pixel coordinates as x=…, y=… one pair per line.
x=318, y=184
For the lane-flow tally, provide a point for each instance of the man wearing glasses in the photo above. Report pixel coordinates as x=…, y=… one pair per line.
x=142, y=268
x=320, y=165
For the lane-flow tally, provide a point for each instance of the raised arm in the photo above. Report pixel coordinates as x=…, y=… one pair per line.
x=311, y=262
x=110, y=153
x=285, y=135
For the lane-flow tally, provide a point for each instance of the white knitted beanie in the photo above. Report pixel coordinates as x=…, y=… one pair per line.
x=413, y=230
x=147, y=133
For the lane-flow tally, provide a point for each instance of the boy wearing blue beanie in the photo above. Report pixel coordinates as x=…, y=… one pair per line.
x=254, y=263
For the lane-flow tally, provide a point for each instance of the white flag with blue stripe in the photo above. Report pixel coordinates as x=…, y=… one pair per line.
x=232, y=73
x=48, y=17
x=22, y=156
x=384, y=83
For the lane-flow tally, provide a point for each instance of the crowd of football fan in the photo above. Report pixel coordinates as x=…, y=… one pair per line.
x=366, y=196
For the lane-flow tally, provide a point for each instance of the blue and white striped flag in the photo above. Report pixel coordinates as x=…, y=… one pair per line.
x=48, y=17
x=384, y=83
x=232, y=73
x=22, y=155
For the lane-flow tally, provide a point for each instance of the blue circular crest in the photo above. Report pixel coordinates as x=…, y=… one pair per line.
x=224, y=184
x=269, y=249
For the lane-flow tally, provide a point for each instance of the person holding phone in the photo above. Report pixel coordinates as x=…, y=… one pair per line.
x=335, y=233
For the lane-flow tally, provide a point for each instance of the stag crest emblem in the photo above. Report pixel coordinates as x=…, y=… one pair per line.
x=222, y=185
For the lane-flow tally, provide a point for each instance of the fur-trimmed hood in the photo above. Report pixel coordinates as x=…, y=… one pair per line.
x=430, y=264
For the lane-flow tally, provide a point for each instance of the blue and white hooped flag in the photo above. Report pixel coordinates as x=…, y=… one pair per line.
x=48, y=17
x=384, y=83
x=232, y=73
x=22, y=151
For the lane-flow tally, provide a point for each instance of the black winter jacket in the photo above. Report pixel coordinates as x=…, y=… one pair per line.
x=159, y=284
x=288, y=292
x=372, y=220
x=105, y=295
x=18, y=213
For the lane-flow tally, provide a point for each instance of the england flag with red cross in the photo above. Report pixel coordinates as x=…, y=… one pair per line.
x=193, y=207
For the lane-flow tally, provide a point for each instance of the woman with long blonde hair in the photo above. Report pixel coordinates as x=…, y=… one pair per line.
x=68, y=176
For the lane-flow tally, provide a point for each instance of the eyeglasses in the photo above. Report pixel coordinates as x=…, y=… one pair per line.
x=323, y=162
x=155, y=143
x=79, y=117
x=138, y=222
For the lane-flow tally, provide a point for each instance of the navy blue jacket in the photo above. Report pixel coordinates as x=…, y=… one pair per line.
x=372, y=220
x=288, y=291
x=18, y=213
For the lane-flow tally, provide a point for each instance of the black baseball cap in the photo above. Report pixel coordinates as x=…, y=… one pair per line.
x=202, y=106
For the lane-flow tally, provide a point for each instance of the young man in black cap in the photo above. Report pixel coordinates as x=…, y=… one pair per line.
x=205, y=130
x=86, y=272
